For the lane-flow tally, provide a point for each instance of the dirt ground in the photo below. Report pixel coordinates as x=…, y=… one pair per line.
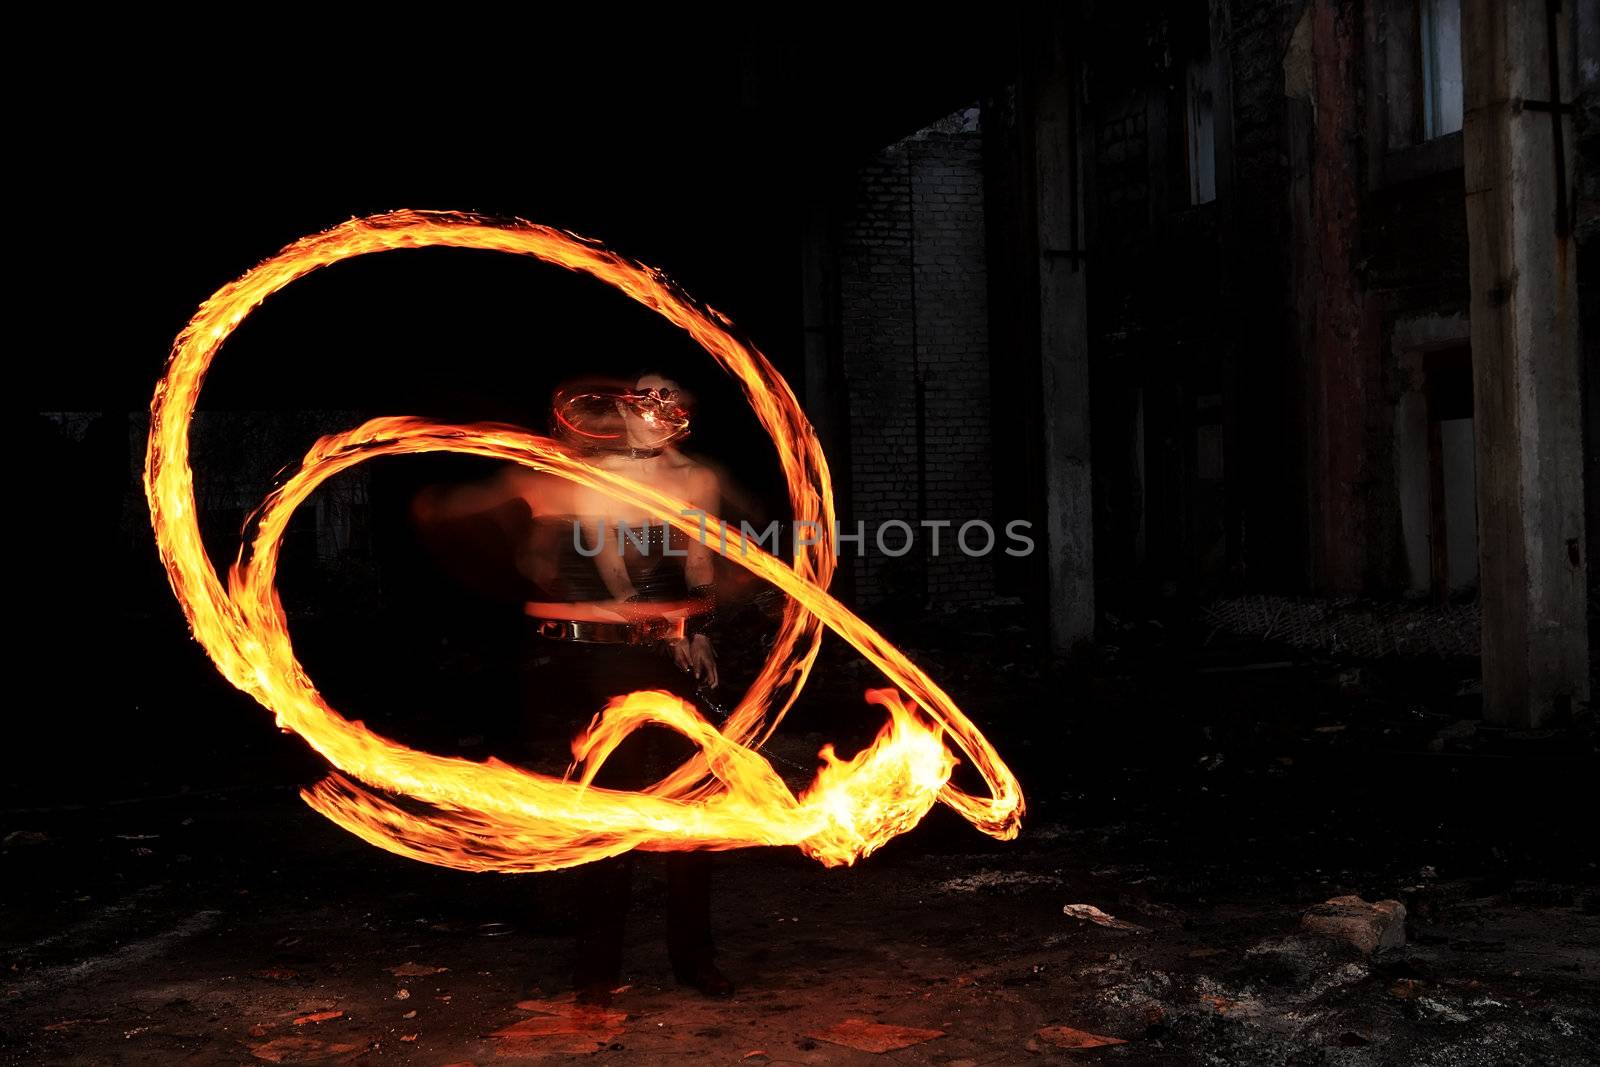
x=1201, y=794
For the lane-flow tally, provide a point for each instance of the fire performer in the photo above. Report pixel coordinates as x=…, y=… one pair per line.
x=626, y=604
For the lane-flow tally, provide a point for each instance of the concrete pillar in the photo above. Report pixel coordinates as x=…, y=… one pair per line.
x=1527, y=373
x=1346, y=361
x=827, y=396
x=1052, y=139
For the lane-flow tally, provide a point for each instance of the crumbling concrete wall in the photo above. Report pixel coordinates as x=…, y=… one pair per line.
x=1279, y=318
x=914, y=331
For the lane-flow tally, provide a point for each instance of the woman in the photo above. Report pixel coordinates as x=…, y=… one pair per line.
x=625, y=604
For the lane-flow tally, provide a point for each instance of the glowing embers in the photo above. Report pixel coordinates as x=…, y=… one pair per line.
x=492, y=816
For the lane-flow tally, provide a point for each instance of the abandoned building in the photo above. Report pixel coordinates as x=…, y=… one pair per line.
x=1191, y=290
x=1247, y=292
x=1272, y=323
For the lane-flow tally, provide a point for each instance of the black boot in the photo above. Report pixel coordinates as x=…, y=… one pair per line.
x=689, y=943
x=607, y=890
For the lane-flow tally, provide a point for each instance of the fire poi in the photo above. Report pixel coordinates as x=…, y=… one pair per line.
x=492, y=816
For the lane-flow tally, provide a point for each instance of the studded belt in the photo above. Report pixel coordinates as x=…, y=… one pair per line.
x=644, y=632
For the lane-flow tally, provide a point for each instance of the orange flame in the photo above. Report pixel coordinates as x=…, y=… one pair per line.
x=493, y=816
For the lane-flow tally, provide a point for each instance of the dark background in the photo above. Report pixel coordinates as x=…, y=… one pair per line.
x=167, y=170
x=1205, y=784
x=161, y=172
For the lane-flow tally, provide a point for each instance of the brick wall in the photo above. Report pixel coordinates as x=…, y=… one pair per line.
x=914, y=309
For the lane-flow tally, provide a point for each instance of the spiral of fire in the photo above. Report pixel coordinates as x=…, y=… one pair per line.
x=493, y=816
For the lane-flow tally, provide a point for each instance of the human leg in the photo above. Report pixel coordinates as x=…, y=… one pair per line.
x=689, y=943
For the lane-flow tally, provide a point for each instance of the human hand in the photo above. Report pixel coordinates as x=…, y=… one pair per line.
x=694, y=654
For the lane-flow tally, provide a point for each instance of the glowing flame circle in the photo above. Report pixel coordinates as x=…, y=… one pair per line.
x=493, y=816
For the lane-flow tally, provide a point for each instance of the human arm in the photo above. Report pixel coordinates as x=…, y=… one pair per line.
x=610, y=564
x=438, y=502
x=695, y=652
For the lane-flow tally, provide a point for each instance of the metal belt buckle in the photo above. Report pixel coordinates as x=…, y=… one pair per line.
x=558, y=629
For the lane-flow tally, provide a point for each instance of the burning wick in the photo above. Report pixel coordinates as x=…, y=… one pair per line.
x=494, y=817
